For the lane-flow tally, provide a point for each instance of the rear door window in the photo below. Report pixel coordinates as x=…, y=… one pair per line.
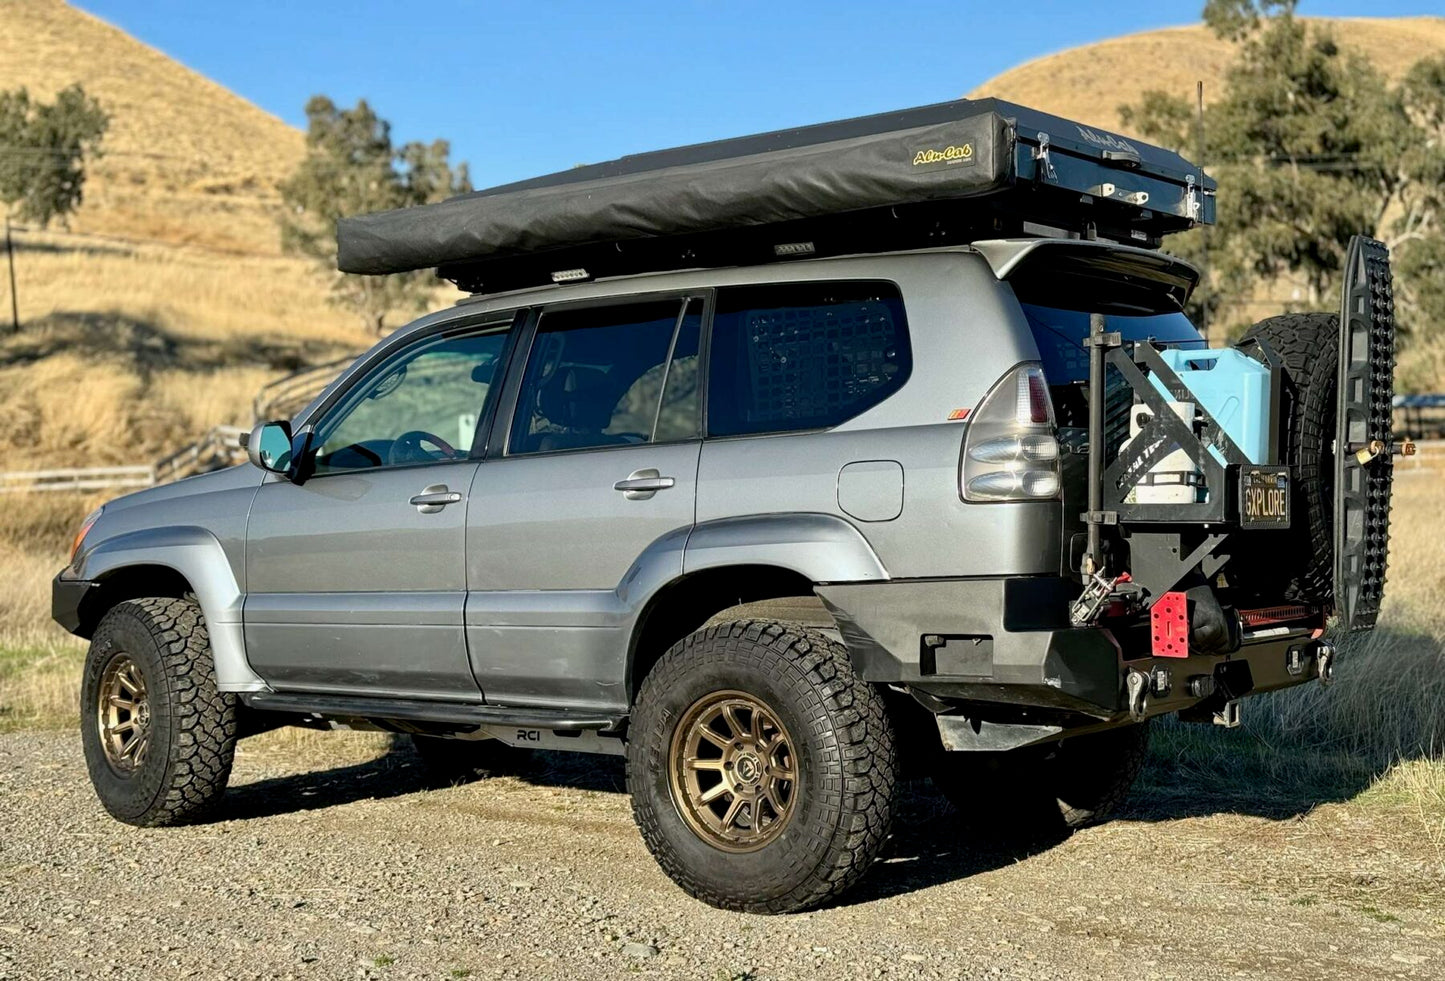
x=595, y=376
x=804, y=356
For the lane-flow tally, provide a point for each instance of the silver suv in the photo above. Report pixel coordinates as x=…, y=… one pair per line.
x=777, y=533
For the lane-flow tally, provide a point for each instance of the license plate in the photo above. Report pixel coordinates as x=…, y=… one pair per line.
x=1264, y=498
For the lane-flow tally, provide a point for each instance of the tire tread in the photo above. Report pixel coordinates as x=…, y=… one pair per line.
x=203, y=743
x=867, y=752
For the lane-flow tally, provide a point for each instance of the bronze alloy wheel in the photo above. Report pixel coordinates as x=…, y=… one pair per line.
x=733, y=771
x=123, y=714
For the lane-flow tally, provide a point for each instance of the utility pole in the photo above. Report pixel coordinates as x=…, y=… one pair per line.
x=1204, y=284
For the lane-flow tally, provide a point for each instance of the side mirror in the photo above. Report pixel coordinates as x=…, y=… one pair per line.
x=269, y=447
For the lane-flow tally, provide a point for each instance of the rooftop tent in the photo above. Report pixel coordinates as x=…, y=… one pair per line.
x=935, y=175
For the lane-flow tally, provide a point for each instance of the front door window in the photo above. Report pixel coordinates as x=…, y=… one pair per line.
x=417, y=408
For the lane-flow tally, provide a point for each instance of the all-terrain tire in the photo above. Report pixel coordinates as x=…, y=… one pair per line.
x=1298, y=563
x=450, y=761
x=192, y=726
x=844, y=759
x=1075, y=783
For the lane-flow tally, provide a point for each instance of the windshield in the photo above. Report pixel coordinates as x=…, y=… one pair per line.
x=1060, y=336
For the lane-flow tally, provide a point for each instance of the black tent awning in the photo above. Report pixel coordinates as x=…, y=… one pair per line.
x=661, y=208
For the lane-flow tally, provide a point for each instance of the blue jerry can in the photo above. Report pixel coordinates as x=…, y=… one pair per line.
x=1234, y=388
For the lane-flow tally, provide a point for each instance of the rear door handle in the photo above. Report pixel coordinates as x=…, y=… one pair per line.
x=432, y=499
x=642, y=484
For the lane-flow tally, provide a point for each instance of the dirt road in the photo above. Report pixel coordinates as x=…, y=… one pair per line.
x=354, y=869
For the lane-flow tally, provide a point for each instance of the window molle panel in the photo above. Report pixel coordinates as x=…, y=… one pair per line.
x=805, y=356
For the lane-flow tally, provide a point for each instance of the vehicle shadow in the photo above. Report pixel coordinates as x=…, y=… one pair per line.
x=399, y=772
x=392, y=775
x=1190, y=773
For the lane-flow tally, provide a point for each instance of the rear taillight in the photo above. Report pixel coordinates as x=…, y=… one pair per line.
x=1010, y=452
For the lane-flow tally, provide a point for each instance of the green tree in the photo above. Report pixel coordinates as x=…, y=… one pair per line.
x=43, y=150
x=1419, y=235
x=351, y=167
x=1310, y=146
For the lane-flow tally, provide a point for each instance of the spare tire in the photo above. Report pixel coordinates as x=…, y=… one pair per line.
x=1298, y=565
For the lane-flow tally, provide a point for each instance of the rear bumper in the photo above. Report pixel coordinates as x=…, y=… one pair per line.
x=1007, y=643
x=66, y=597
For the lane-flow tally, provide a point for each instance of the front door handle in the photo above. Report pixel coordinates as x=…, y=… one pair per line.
x=642, y=484
x=432, y=499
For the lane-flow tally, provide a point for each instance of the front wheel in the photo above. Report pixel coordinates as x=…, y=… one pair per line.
x=762, y=771
x=158, y=735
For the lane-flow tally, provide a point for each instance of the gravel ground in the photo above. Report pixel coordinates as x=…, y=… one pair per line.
x=346, y=866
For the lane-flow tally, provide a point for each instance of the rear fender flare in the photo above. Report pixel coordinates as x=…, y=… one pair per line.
x=197, y=556
x=820, y=547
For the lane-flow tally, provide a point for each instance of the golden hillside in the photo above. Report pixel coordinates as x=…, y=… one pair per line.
x=186, y=159
x=1089, y=83
x=131, y=349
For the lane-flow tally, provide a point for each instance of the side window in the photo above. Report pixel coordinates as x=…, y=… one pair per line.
x=594, y=377
x=421, y=406
x=804, y=355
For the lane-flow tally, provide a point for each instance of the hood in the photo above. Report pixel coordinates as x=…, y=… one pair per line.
x=232, y=478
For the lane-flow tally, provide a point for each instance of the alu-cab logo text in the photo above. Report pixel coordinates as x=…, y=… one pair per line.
x=951, y=154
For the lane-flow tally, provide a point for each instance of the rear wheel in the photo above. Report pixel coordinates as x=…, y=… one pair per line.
x=1077, y=782
x=1298, y=564
x=158, y=735
x=762, y=772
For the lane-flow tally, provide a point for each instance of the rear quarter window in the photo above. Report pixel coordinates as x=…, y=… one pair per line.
x=1060, y=336
x=804, y=355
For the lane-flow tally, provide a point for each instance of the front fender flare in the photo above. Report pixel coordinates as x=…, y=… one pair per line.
x=196, y=555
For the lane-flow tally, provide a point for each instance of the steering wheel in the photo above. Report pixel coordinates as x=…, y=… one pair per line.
x=408, y=448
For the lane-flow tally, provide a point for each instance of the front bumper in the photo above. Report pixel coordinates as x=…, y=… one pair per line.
x=1005, y=649
x=66, y=599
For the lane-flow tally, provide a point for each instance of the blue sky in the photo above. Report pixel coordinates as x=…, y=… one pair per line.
x=527, y=88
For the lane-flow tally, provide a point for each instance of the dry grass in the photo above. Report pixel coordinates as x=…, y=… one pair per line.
x=39, y=662
x=130, y=352
x=1375, y=737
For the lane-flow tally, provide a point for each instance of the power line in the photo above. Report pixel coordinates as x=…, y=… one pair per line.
x=166, y=243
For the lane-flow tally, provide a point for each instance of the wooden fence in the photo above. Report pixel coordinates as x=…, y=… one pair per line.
x=284, y=397
x=76, y=479
x=221, y=447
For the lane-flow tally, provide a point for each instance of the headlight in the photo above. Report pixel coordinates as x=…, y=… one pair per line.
x=85, y=525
